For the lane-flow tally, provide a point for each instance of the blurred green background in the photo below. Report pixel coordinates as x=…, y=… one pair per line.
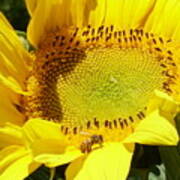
x=16, y=13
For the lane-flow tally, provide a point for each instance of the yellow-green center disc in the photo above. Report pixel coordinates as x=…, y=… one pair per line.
x=108, y=84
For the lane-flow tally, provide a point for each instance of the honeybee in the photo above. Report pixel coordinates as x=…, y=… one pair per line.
x=86, y=145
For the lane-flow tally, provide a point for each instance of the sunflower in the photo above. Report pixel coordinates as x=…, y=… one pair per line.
x=104, y=75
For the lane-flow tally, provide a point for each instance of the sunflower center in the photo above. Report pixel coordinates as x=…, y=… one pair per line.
x=108, y=84
x=99, y=81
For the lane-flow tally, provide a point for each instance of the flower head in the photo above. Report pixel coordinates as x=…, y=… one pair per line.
x=105, y=76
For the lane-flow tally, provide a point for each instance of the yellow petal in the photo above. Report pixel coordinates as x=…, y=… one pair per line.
x=39, y=24
x=31, y=5
x=56, y=13
x=16, y=162
x=110, y=162
x=158, y=128
x=168, y=107
x=164, y=19
x=4, y=20
x=11, y=83
x=38, y=129
x=49, y=145
x=75, y=167
x=13, y=58
x=54, y=153
x=10, y=135
x=8, y=110
x=91, y=10
x=127, y=14
x=154, y=130
x=59, y=13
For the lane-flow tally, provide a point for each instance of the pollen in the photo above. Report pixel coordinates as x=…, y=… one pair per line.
x=98, y=80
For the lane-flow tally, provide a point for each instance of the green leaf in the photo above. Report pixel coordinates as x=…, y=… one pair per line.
x=44, y=173
x=171, y=160
x=16, y=13
x=171, y=156
x=41, y=174
x=138, y=174
x=157, y=173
